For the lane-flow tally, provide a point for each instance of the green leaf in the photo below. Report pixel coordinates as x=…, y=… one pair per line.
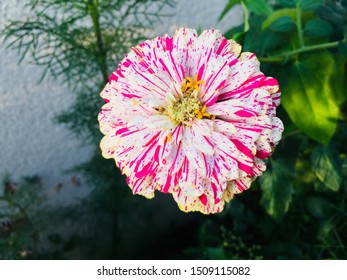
x=305, y=16
x=306, y=5
x=259, y=7
x=318, y=207
x=283, y=24
x=261, y=42
x=326, y=167
x=277, y=15
x=239, y=37
x=228, y=7
x=277, y=189
x=231, y=33
x=338, y=79
x=317, y=28
x=287, y=3
x=309, y=5
x=309, y=98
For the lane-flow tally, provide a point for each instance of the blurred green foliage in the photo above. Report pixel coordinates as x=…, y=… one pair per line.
x=18, y=238
x=296, y=210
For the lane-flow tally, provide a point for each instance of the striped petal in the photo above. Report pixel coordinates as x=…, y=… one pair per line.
x=191, y=116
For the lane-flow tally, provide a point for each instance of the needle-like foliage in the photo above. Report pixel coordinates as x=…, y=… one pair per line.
x=81, y=42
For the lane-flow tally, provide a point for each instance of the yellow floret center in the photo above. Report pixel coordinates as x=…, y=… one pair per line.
x=188, y=107
x=189, y=85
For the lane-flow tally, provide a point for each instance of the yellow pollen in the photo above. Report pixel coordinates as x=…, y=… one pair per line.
x=189, y=85
x=168, y=137
x=188, y=107
x=202, y=113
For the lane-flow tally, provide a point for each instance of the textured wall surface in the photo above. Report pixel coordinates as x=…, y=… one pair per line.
x=200, y=13
x=30, y=143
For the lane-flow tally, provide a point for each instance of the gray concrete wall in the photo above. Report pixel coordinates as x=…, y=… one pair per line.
x=30, y=143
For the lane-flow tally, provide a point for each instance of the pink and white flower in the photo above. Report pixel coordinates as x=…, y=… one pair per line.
x=191, y=116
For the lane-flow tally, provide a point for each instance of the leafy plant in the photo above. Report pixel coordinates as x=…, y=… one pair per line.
x=300, y=200
x=18, y=237
x=80, y=43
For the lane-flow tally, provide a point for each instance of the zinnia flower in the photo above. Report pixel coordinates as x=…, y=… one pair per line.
x=190, y=116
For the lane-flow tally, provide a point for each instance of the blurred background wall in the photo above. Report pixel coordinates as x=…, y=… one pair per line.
x=30, y=142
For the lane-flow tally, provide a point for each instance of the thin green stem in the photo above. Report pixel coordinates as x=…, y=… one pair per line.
x=246, y=15
x=312, y=48
x=299, y=25
x=272, y=59
x=287, y=55
x=93, y=8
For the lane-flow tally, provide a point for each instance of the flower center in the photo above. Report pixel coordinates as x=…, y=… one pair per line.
x=189, y=107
